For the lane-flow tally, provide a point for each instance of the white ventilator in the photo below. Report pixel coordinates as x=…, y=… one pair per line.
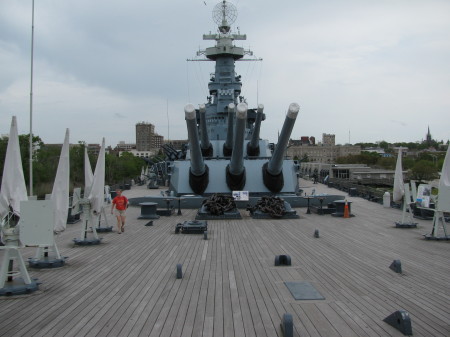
x=88, y=175
x=47, y=254
x=443, y=200
x=93, y=204
x=401, y=193
x=399, y=190
x=13, y=192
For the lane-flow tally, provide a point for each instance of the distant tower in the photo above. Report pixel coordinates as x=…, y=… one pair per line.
x=428, y=137
x=328, y=139
x=144, y=136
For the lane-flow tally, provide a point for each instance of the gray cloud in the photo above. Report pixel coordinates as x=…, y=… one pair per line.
x=348, y=69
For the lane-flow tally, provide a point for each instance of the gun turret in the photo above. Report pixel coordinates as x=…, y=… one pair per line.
x=228, y=145
x=272, y=170
x=235, y=171
x=253, y=145
x=198, y=172
x=207, y=148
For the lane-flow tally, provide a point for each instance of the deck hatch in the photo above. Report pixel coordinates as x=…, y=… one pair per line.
x=303, y=291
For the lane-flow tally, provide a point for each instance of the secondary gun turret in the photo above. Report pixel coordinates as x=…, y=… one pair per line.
x=272, y=170
x=253, y=145
x=198, y=172
x=235, y=170
x=207, y=148
x=228, y=145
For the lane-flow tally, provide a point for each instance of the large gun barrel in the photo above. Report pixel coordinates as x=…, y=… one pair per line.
x=207, y=148
x=235, y=170
x=253, y=145
x=198, y=173
x=228, y=145
x=272, y=171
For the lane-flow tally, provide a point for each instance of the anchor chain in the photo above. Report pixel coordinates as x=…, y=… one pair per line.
x=218, y=204
x=274, y=206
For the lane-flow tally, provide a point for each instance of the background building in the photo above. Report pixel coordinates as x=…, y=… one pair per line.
x=325, y=152
x=146, y=138
x=328, y=139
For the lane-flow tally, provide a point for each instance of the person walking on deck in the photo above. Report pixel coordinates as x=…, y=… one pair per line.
x=120, y=202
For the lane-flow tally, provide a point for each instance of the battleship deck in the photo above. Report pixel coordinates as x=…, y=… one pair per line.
x=127, y=285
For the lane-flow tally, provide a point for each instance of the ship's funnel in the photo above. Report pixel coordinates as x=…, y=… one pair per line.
x=272, y=170
x=198, y=173
x=228, y=145
x=253, y=145
x=235, y=171
x=206, y=146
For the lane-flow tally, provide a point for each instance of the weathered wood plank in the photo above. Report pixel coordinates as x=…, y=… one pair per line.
x=126, y=286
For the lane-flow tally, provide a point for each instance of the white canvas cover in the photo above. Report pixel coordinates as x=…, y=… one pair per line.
x=88, y=175
x=443, y=202
x=399, y=188
x=60, y=192
x=96, y=195
x=13, y=189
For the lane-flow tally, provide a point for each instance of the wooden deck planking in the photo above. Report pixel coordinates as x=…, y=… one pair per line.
x=230, y=286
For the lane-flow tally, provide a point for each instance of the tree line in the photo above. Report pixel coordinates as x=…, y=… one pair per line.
x=46, y=158
x=423, y=167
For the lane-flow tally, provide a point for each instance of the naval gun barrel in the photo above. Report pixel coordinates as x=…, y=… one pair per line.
x=198, y=173
x=273, y=170
x=228, y=145
x=253, y=145
x=235, y=172
x=207, y=148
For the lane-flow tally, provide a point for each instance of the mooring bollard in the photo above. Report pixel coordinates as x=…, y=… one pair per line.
x=282, y=260
x=396, y=266
x=287, y=325
x=401, y=321
x=179, y=271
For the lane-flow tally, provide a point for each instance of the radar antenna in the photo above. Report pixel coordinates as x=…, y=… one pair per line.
x=224, y=15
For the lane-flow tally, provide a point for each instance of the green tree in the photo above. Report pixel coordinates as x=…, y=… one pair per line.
x=387, y=162
x=384, y=145
x=424, y=170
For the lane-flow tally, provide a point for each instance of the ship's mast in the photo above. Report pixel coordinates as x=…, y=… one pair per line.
x=224, y=86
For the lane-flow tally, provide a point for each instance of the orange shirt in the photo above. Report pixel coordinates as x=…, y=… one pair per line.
x=121, y=202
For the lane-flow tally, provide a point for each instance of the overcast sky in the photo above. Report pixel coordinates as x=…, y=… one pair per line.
x=364, y=70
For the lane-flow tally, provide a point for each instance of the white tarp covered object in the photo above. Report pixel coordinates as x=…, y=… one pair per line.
x=88, y=175
x=13, y=189
x=443, y=203
x=96, y=195
x=60, y=192
x=399, y=188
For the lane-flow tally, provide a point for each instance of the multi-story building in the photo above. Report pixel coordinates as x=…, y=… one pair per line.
x=325, y=152
x=177, y=143
x=157, y=141
x=146, y=137
x=328, y=139
x=122, y=146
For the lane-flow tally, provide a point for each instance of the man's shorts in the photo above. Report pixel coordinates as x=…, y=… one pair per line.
x=119, y=212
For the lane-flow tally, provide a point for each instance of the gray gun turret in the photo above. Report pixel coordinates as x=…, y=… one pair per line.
x=253, y=145
x=232, y=130
x=272, y=170
x=198, y=173
x=228, y=145
x=236, y=170
x=207, y=148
